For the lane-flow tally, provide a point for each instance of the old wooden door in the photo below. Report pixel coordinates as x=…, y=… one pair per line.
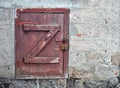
x=41, y=37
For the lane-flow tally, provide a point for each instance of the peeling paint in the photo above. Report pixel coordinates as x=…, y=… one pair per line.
x=55, y=61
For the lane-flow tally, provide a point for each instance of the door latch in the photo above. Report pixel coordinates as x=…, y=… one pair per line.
x=64, y=46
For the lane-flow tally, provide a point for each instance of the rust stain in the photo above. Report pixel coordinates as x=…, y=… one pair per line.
x=21, y=23
x=79, y=35
x=74, y=73
x=64, y=46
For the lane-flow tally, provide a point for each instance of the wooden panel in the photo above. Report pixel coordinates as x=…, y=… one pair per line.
x=42, y=60
x=39, y=34
x=34, y=27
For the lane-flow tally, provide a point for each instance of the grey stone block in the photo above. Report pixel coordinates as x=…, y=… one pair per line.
x=113, y=81
x=95, y=84
x=118, y=86
x=6, y=16
x=23, y=84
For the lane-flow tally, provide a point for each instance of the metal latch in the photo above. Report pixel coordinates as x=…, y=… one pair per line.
x=64, y=46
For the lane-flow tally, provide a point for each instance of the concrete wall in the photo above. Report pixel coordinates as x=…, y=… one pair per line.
x=95, y=39
x=94, y=36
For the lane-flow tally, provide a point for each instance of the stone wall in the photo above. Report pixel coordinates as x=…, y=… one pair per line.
x=94, y=36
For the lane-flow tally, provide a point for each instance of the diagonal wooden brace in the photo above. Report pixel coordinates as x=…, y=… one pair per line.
x=40, y=45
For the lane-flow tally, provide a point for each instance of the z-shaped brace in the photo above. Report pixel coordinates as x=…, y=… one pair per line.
x=52, y=31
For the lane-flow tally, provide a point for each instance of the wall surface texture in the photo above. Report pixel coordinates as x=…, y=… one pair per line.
x=94, y=29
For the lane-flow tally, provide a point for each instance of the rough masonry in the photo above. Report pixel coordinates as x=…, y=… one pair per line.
x=94, y=29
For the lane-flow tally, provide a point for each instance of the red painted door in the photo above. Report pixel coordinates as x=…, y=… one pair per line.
x=41, y=43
